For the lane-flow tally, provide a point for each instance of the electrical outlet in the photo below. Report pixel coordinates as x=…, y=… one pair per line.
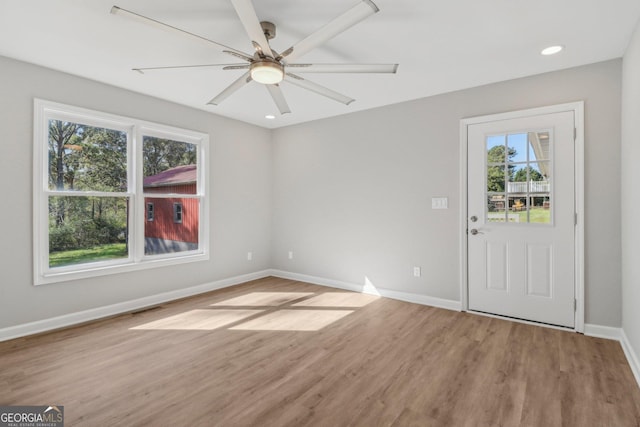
x=249, y=256
x=290, y=254
x=416, y=272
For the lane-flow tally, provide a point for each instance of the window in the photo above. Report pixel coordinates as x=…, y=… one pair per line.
x=110, y=191
x=177, y=213
x=519, y=181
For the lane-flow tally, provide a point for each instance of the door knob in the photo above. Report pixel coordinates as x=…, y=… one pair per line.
x=473, y=232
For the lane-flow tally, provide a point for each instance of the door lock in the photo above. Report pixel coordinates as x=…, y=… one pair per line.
x=473, y=218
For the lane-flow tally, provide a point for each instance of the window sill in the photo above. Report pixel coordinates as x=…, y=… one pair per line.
x=103, y=269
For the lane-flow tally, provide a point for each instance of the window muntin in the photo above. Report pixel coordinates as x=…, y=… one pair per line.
x=89, y=197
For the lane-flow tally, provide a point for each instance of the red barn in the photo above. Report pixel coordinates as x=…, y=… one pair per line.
x=171, y=224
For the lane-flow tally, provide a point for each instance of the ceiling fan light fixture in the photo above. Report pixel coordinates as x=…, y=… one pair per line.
x=267, y=72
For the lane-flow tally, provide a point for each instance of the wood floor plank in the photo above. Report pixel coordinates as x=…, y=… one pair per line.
x=220, y=359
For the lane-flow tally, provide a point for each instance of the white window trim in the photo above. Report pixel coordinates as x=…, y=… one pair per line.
x=136, y=129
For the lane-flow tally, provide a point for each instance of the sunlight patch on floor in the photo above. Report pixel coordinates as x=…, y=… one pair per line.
x=293, y=320
x=337, y=299
x=199, y=320
x=262, y=299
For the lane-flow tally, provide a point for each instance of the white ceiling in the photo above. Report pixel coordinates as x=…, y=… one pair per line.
x=441, y=46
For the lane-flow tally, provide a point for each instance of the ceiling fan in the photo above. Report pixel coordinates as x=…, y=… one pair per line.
x=270, y=68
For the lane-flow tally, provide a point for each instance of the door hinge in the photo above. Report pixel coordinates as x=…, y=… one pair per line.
x=575, y=218
x=575, y=134
x=575, y=305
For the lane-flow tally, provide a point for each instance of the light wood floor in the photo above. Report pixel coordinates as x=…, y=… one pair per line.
x=274, y=352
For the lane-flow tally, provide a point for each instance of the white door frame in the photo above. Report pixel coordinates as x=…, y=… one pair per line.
x=578, y=110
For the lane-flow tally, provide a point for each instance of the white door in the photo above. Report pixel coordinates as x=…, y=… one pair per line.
x=521, y=218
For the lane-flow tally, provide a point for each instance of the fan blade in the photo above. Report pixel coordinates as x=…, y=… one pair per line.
x=149, y=21
x=233, y=87
x=278, y=97
x=239, y=55
x=141, y=70
x=251, y=23
x=344, y=68
x=314, y=87
x=343, y=22
x=237, y=67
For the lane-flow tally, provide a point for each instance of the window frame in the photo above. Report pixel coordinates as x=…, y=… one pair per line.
x=151, y=213
x=135, y=129
x=177, y=213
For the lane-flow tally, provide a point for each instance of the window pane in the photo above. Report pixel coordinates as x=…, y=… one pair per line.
x=539, y=146
x=540, y=192
x=169, y=166
x=86, y=158
x=517, y=144
x=495, y=178
x=518, y=179
x=164, y=235
x=495, y=208
x=517, y=209
x=496, y=149
x=540, y=210
x=87, y=229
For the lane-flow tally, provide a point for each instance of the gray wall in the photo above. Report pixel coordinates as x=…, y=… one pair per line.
x=349, y=195
x=631, y=199
x=240, y=196
x=352, y=194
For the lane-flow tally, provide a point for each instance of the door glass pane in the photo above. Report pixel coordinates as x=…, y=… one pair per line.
x=539, y=146
x=87, y=229
x=518, y=181
x=496, y=149
x=517, y=147
x=496, y=178
x=517, y=209
x=540, y=192
x=495, y=208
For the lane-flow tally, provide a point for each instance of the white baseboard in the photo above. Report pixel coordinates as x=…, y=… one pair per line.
x=370, y=289
x=606, y=332
x=617, y=334
x=123, y=307
x=632, y=357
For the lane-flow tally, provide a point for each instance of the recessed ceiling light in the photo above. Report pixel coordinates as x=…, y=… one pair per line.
x=270, y=116
x=551, y=50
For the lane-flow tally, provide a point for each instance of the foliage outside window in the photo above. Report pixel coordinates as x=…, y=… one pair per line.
x=91, y=198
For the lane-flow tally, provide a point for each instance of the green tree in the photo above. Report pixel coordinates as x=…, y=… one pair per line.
x=86, y=158
x=534, y=175
x=162, y=154
x=497, y=158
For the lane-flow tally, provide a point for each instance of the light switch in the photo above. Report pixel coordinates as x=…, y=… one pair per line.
x=439, y=203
